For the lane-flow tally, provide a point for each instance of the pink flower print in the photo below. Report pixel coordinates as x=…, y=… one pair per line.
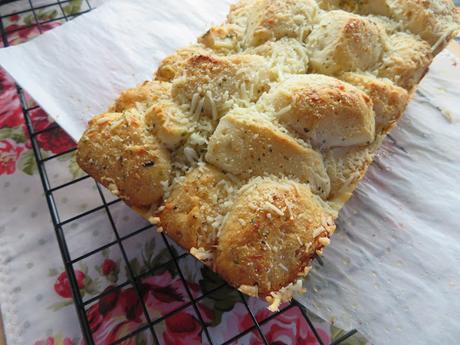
x=62, y=285
x=9, y=154
x=10, y=106
x=183, y=329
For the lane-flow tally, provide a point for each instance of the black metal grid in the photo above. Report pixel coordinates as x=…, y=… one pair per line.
x=133, y=279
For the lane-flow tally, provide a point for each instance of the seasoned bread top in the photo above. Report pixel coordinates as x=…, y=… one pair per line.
x=246, y=144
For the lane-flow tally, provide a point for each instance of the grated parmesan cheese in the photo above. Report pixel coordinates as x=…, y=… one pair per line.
x=296, y=187
x=243, y=91
x=298, y=239
x=249, y=290
x=284, y=295
x=440, y=41
x=270, y=207
x=113, y=189
x=213, y=106
x=284, y=110
x=201, y=254
x=102, y=120
x=305, y=271
x=301, y=33
x=217, y=222
x=166, y=188
x=318, y=230
x=289, y=207
x=251, y=91
x=324, y=241
x=283, y=267
x=233, y=178
x=117, y=123
x=195, y=98
x=199, y=108
x=198, y=139
x=190, y=154
x=224, y=219
x=447, y=115
x=154, y=220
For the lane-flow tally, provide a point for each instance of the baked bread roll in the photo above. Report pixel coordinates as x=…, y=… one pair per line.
x=246, y=144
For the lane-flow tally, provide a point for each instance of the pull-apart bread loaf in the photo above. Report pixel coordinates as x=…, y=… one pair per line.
x=245, y=145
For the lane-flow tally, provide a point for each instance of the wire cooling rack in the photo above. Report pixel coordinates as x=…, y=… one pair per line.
x=133, y=279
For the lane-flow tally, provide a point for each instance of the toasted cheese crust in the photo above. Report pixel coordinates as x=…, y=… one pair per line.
x=222, y=82
x=388, y=99
x=192, y=212
x=246, y=144
x=343, y=42
x=407, y=60
x=271, y=234
x=172, y=66
x=275, y=19
x=435, y=21
x=285, y=56
x=323, y=111
x=119, y=152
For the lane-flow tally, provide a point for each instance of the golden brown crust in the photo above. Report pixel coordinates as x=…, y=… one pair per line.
x=191, y=212
x=435, y=21
x=274, y=19
x=224, y=39
x=118, y=151
x=222, y=81
x=378, y=7
x=344, y=42
x=166, y=120
x=407, y=60
x=271, y=235
x=249, y=155
x=346, y=166
x=323, y=110
x=247, y=145
x=389, y=100
x=173, y=65
x=286, y=56
x=143, y=94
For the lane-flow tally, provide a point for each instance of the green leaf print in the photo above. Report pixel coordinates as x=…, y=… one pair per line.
x=83, y=267
x=52, y=272
x=105, y=252
x=135, y=266
x=29, y=20
x=91, y=286
x=210, y=280
x=165, y=257
x=27, y=163
x=140, y=339
x=44, y=16
x=59, y=305
x=16, y=134
x=74, y=167
x=223, y=299
x=72, y=7
x=356, y=339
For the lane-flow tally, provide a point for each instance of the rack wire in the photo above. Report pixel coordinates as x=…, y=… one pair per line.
x=133, y=279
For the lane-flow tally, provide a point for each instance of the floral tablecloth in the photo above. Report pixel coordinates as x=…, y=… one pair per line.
x=35, y=297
